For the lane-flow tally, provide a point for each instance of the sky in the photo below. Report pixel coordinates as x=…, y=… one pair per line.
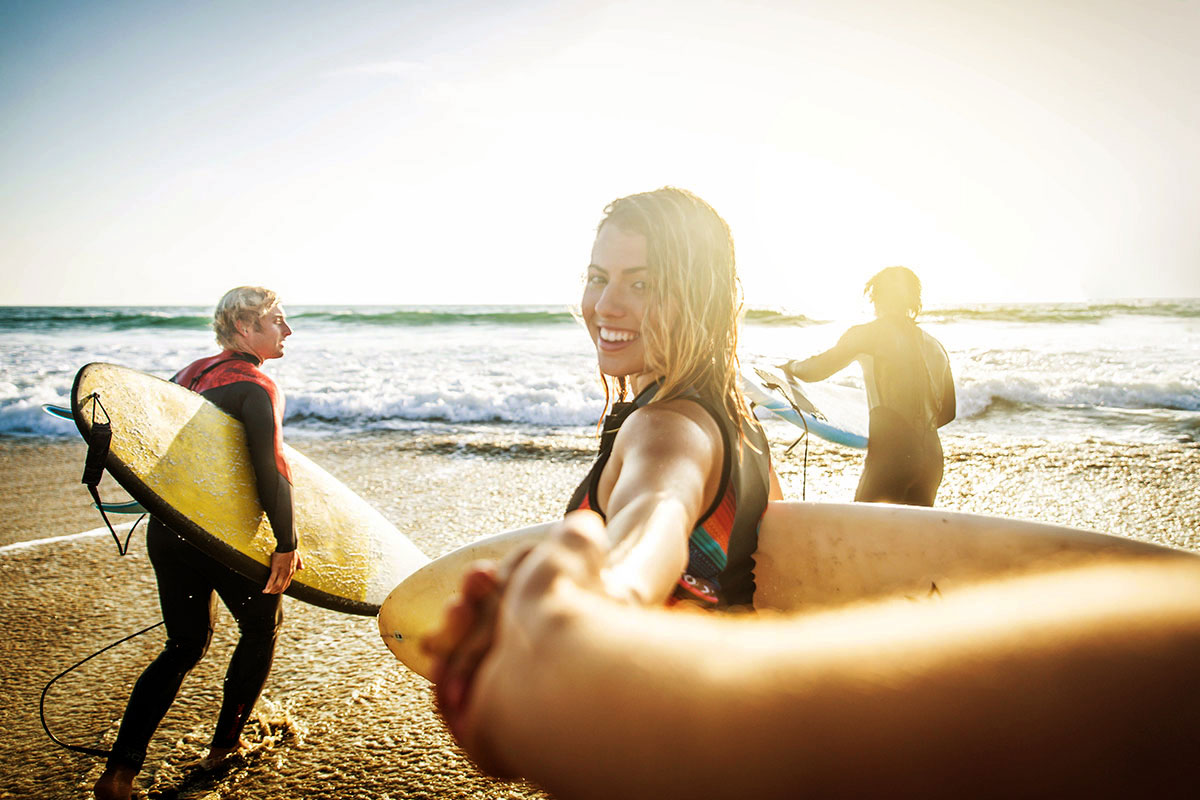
x=462, y=152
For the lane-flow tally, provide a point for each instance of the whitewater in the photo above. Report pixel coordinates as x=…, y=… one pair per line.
x=1112, y=372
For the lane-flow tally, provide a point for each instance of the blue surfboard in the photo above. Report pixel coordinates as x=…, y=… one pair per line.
x=788, y=400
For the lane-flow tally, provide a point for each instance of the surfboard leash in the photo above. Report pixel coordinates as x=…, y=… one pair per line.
x=775, y=387
x=93, y=467
x=89, y=751
x=804, y=470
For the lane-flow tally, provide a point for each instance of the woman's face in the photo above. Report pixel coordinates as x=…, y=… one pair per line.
x=615, y=300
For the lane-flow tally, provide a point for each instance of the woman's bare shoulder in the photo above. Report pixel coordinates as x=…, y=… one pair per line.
x=680, y=422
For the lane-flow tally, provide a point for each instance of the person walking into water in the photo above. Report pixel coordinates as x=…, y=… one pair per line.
x=910, y=391
x=251, y=327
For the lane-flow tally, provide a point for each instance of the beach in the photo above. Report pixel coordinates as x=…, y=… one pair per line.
x=340, y=717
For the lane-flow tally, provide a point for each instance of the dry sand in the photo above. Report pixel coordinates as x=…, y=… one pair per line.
x=340, y=718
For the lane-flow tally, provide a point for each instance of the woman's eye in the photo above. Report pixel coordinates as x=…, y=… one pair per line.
x=640, y=286
x=595, y=280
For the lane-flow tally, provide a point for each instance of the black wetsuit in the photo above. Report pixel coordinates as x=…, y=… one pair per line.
x=189, y=580
x=909, y=397
x=720, y=569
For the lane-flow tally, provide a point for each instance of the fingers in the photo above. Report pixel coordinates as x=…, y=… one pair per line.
x=464, y=640
x=283, y=567
x=462, y=612
x=459, y=668
x=498, y=658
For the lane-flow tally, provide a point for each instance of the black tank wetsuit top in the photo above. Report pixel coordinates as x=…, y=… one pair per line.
x=720, y=568
x=188, y=577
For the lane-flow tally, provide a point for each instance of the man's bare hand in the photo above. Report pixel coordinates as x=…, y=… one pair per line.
x=283, y=567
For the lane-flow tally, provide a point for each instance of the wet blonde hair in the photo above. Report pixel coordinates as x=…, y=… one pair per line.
x=691, y=338
x=896, y=288
x=243, y=304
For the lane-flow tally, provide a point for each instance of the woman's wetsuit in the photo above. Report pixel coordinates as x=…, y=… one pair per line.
x=720, y=568
x=189, y=580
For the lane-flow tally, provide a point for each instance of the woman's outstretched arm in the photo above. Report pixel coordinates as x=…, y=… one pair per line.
x=1075, y=682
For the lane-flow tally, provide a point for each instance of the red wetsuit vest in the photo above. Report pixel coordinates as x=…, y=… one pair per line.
x=232, y=381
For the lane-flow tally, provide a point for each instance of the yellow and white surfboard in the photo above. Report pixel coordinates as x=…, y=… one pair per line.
x=187, y=462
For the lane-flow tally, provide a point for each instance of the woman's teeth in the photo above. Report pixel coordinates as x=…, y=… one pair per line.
x=610, y=335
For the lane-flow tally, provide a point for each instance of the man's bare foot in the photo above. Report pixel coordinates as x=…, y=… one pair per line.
x=115, y=784
x=217, y=756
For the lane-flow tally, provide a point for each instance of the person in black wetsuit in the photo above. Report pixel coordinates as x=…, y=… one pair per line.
x=251, y=327
x=910, y=391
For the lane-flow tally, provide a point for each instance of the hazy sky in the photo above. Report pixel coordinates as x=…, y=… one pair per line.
x=445, y=152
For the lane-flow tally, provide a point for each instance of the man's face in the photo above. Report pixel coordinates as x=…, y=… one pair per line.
x=265, y=338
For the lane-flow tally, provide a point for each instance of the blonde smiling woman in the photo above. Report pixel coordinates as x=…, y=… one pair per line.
x=683, y=474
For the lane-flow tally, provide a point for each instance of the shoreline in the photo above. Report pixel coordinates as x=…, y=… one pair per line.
x=1146, y=491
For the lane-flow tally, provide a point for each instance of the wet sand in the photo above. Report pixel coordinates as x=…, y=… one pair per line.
x=340, y=717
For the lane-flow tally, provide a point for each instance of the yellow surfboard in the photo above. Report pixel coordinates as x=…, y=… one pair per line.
x=187, y=462
x=810, y=555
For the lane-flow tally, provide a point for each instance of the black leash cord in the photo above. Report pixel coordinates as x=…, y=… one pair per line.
x=803, y=437
x=804, y=472
x=90, y=751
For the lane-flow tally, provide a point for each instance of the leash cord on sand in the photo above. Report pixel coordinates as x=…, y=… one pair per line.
x=804, y=472
x=91, y=751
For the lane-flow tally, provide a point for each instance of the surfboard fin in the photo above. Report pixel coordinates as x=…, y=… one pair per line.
x=129, y=507
x=60, y=412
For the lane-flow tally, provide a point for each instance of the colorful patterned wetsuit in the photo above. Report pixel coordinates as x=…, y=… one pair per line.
x=720, y=568
x=188, y=578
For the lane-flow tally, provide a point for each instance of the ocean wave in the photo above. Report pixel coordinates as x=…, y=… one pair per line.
x=550, y=407
x=766, y=316
x=132, y=318
x=436, y=316
x=25, y=417
x=1064, y=312
x=1013, y=395
x=128, y=318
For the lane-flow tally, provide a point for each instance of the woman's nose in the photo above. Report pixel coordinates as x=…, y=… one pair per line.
x=610, y=304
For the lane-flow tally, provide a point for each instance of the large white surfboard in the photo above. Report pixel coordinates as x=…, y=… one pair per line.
x=810, y=555
x=186, y=461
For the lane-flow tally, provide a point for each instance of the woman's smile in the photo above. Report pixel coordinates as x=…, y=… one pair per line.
x=615, y=338
x=615, y=300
